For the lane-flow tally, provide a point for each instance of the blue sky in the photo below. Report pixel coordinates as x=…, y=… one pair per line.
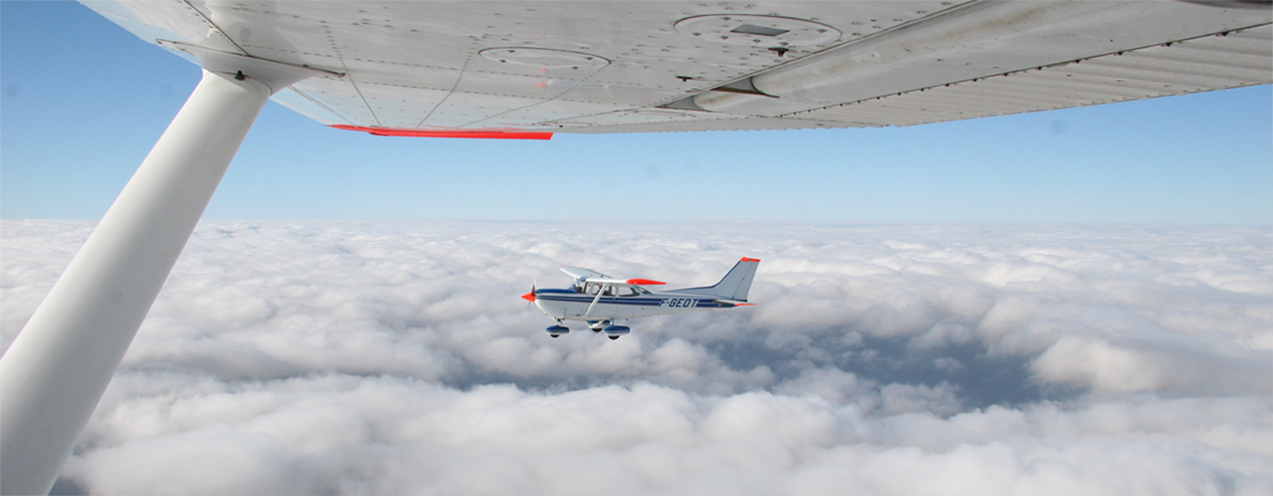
x=82, y=101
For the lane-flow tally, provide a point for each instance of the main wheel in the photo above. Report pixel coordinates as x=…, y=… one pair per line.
x=557, y=330
x=612, y=338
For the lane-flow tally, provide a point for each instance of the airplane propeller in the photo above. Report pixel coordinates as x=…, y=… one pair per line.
x=530, y=297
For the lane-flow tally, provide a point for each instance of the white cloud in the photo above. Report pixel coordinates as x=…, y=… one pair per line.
x=395, y=357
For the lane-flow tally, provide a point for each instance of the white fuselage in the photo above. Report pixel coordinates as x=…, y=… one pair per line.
x=569, y=304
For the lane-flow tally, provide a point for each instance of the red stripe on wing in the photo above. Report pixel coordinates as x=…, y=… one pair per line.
x=434, y=133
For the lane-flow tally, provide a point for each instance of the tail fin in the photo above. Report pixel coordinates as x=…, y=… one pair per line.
x=735, y=284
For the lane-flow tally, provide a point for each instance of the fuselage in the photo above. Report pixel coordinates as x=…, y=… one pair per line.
x=629, y=303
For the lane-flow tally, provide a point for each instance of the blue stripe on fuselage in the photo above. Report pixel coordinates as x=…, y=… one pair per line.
x=568, y=296
x=606, y=300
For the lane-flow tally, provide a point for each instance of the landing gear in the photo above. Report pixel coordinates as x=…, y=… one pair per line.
x=614, y=331
x=557, y=330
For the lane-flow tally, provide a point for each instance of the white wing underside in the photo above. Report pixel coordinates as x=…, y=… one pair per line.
x=606, y=67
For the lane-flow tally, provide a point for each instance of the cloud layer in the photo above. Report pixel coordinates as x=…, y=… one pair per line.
x=395, y=357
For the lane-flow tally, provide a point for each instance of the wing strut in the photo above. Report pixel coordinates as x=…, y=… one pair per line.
x=53, y=374
x=600, y=289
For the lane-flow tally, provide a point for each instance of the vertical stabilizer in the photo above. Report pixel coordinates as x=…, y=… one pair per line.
x=735, y=284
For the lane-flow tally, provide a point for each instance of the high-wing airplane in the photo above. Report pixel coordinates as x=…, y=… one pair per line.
x=601, y=300
x=529, y=69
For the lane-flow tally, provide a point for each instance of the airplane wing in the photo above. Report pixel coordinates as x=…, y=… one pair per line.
x=623, y=282
x=579, y=273
x=593, y=276
x=528, y=69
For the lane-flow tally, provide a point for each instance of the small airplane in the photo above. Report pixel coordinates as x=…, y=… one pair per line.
x=600, y=300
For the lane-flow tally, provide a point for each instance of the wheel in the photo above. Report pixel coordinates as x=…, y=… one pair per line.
x=557, y=330
x=612, y=338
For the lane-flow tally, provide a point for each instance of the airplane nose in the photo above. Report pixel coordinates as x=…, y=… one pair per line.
x=529, y=296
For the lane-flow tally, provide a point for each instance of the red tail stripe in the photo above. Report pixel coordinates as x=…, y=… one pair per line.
x=745, y=259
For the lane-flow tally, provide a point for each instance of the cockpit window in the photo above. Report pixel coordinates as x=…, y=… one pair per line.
x=607, y=290
x=631, y=291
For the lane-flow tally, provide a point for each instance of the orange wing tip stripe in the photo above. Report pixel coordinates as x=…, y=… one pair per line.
x=745, y=259
x=433, y=133
x=644, y=282
x=745, y=305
